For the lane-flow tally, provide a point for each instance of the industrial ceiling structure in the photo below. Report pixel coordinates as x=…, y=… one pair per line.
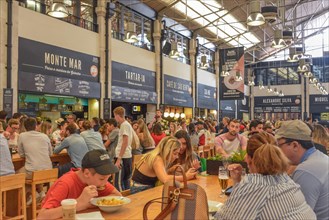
x=224, y=22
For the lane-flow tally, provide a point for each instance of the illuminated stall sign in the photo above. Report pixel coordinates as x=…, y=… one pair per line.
x=133, y=84
x=177, y=91
x=273, y=104
x=207, y=97
x=233, y=59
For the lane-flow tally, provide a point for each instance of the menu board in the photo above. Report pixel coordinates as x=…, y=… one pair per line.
x=57, y=85
x=177, y=91
x=275, y=104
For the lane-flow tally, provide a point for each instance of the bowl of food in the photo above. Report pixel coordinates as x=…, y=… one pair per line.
x=213, y=207
x=110, y=203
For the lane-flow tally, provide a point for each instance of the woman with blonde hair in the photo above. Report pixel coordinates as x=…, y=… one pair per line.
x=154, y=165
x=145, y=137
x=104, y=130
x=267, y=192
x=172, y=129
x=321, y=136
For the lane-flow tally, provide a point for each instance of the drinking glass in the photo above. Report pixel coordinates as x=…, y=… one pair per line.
x=223, y=179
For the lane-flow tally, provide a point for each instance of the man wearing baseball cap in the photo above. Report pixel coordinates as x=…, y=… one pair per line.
x=81, y=184
x=295, y=140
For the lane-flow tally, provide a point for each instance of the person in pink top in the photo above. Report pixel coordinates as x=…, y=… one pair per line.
x=81, y=184
x=227, y=143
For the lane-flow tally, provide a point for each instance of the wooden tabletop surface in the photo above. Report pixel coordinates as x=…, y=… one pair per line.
x=134, y=210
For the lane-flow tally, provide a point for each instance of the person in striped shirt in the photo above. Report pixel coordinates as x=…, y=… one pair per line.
x=267, y=192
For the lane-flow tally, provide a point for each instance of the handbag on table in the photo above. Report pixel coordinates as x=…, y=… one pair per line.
x=181, y=201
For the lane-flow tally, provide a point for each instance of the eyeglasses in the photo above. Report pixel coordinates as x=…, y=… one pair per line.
x=286, y=142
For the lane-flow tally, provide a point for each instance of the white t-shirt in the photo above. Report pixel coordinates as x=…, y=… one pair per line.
x=125, y=129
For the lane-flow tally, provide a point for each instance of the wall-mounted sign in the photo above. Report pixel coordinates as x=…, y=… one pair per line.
x=132, y=84
x=319, y=103
x=37, y=57
x=177, y=91
x=34, y=82
x=233, y=59
x=273, y=104
x=8, y=102
x=107, y=109
x=243, y=105
x=227, y=105
x=207, y=97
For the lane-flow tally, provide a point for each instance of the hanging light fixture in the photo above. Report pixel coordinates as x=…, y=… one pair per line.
x=204, y=62
x=174, y=52
x=131, y=33
x=238, y=76
x=293, y=56
x=287, y=36
x=255, y=18
x=281, y=93
x=225, y=71
x=304, y=65
x=278, y=42
x=165, y=114
x=58, y=10
x=269, y=89
x=182, y=115
x=172, y=114
x=275, y=91
x=261, y=85
x=251, y=78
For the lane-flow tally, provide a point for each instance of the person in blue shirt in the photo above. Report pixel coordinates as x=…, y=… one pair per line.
x=6, y=163
x=76, y=149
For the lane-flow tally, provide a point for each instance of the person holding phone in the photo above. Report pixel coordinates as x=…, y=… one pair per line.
x=267, y=192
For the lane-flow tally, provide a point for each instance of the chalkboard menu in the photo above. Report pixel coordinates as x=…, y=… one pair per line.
x=177, y=91
x=275, y=104
x=8, y=101
x=319, y=103
x=133, y=84
x=207, y=97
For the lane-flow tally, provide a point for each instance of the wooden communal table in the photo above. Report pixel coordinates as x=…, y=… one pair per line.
x=134, y=210
x=60, y=158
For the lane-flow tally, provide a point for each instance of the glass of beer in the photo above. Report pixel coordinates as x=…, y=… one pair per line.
x=223, y=179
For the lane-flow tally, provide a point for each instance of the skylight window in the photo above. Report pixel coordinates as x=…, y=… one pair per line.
x=224, y=26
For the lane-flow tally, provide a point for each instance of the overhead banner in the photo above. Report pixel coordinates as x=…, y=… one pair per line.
x=41, y=83
x=230, y=87
x=133, y=84
x=273, y=104
x=177, y=91
x=227, y=105
x=37, y=57
x=207, y=97
x=319, y=103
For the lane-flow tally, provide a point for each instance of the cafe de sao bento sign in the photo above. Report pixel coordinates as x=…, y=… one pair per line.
x=50, y=69
x=133, y=84
x=273, y=104
x=177, y=91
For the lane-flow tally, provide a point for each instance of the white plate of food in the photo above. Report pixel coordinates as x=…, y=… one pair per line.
x=110, y=203
x=213, y=207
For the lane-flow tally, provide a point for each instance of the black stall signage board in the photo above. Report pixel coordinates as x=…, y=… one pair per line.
x=319, y=103
x=233, y=59
x=275, y=104
x=133, y=84
x=58, y=85
x=207, y=97
x=8, y=101
x=177, y=91
x=107, y=108
x=37, y=57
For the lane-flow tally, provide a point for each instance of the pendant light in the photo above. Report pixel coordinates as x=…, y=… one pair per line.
x=278, y=41
x=58, y=10
x=255, y=18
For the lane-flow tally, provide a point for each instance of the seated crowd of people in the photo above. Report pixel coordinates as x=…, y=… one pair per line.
x=287, y=160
